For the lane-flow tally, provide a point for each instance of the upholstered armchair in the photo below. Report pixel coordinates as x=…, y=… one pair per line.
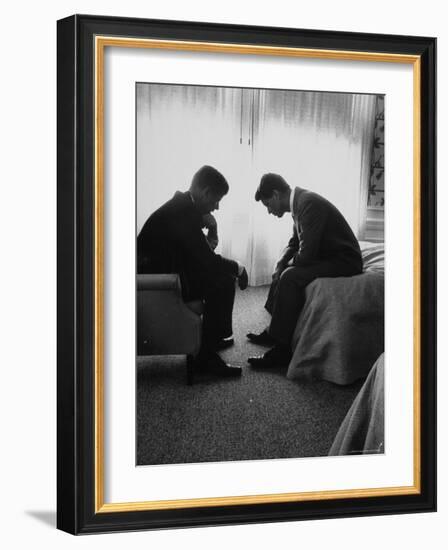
x=166, y=325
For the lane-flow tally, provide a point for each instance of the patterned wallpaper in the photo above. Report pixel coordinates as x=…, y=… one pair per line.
x=376, y=182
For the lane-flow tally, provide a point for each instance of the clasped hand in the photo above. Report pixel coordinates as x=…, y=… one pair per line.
x=279, y=268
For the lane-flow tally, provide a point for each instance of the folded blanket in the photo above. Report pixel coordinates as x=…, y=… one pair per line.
x=373, y=258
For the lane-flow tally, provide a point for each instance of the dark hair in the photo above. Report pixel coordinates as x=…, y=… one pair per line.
x=268, y=184
x=209, y=177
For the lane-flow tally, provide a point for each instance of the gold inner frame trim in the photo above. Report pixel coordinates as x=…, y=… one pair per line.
x=101, y=42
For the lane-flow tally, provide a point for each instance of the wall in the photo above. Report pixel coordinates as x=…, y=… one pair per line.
x=27, y=391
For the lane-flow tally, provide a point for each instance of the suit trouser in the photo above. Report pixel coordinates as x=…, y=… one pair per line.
x=286, y=296
x=218, y=298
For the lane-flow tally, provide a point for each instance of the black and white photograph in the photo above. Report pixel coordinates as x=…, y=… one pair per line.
x=259, y=273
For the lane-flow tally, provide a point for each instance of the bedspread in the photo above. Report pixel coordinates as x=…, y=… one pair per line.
x=340, y=331
x=362, y=430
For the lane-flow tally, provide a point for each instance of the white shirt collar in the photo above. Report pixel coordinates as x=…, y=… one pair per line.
x=291, y=199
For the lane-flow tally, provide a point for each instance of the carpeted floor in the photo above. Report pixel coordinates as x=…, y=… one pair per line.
x=261, y=415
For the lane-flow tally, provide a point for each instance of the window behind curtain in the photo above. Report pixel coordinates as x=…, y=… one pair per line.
x=320, y=141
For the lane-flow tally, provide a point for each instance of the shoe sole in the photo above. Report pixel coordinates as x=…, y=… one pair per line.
x=261, y=342
x=224, y=345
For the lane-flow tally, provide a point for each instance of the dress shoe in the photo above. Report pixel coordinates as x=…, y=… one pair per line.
x=273, y=358
x=217, y=367
x=224, y=343
x=262, y=339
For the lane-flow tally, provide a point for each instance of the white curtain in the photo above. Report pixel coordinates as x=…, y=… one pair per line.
x=316, y=140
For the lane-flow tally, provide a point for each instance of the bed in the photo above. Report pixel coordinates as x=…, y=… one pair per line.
x=340, y=331
x=362, y=430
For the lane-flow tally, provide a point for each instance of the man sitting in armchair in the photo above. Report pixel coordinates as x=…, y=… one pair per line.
x=172, y=241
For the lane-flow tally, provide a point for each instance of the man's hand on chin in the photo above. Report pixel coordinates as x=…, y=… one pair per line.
x=209, y=221
x=243, y=279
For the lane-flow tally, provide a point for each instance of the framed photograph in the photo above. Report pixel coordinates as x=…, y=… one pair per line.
x=246, y=274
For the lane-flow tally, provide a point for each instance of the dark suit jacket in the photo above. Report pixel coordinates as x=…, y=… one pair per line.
x=320, y=234
x=172, y=241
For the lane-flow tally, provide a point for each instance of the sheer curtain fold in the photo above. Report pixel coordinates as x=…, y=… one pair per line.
x=317, y=140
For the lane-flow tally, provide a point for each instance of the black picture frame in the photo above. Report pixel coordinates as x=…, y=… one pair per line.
x=78, y=500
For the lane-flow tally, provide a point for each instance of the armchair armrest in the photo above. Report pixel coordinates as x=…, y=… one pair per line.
x=159, y=281
x=165, y=324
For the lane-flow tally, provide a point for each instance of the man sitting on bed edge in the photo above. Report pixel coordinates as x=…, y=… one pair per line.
x=322, y=245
